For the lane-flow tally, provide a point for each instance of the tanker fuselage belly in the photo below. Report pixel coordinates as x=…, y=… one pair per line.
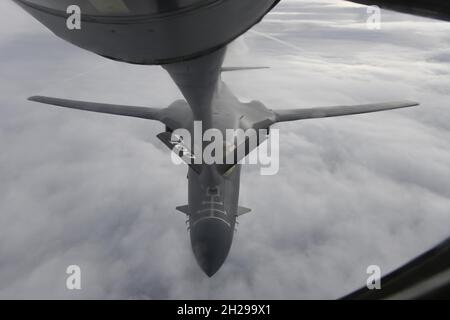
x=159, y=37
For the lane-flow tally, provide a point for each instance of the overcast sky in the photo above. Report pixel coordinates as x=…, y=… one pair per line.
x=100, y=191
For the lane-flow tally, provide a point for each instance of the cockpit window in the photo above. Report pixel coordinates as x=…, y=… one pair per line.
x=118, y=7
x=214, y=191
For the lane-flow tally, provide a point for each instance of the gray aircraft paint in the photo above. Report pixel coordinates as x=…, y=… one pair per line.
x=190, y=41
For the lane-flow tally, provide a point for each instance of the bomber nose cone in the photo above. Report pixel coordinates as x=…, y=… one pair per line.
x=211, y=241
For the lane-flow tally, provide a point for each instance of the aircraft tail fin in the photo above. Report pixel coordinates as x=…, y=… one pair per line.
x=177, y=145
x=240, y=151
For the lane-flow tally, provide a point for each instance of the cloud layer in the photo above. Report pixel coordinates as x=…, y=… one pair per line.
x=100, y=191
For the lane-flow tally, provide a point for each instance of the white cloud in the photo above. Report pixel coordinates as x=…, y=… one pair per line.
x=100, y=191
